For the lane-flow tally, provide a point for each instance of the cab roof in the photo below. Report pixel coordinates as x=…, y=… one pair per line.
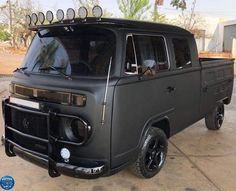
x=118, y=23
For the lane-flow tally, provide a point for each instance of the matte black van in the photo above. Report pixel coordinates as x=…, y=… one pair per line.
x=95, y=96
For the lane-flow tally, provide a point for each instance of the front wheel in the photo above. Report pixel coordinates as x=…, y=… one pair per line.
x=215, y=118
x=152, y=155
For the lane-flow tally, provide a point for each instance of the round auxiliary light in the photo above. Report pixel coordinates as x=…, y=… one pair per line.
x=41, y=17
x=97, y=11
x=65, y=154
x=28, y=19
x=83, y=12
x=34, y=18
x=70, y=14
x=60, y=15
x=49, y=16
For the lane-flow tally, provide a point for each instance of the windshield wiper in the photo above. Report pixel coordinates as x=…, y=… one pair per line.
x=22, y=69
x=58, y=69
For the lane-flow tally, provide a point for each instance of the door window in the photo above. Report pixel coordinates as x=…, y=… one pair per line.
x=182, y=53
x=149, y=53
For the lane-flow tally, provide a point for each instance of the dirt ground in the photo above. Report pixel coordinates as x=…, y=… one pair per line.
x=10, y=59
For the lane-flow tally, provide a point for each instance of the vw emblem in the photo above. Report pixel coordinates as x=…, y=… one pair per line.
x=25, y=123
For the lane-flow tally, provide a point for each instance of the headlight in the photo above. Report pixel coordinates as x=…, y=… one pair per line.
x=77, y=130
x=11, y=88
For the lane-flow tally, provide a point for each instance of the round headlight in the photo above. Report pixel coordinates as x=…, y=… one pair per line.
x=70, y=14
x=77, y=130
x=83, y=13
x=60, y=15
x=34, y=18
x=97, y=12
x=49, y=16
x=28, y=19
x=41, y=17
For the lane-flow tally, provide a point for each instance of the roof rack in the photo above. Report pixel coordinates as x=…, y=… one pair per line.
x=35, y=20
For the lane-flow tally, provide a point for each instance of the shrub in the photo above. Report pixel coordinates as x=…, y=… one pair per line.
x=4, y=35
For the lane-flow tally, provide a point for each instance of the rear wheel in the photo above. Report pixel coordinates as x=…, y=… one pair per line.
x=215, y=118
x=153, y=154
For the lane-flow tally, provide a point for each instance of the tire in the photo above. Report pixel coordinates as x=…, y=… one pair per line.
x=152, y=155
x=215, y=118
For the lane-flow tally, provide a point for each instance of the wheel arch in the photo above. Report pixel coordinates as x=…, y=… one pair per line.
x=164, y=125
x=161, y=123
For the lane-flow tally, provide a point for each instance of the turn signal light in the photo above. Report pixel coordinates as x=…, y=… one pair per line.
x=79, y=100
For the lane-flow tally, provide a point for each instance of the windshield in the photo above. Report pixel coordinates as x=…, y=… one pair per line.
x=71, y=51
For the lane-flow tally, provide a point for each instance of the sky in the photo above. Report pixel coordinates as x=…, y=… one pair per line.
x=215, y=8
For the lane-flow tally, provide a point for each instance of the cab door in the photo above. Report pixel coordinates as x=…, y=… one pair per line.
x=141, y=95
x=186, y=75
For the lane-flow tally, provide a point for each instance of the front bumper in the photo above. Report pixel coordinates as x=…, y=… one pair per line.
x=49, y=161
x=58, y=168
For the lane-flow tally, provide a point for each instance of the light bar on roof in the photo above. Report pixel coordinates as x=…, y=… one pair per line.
x=70, y=14
x=49, y=16
x=34, y=18
x=28, y=20
x=83, y=13
x=60, y=15
x=41, y=17
x=97, y=12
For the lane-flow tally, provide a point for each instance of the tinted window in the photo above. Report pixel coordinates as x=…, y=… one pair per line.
x=182, y=53
x=161, y=54
x=130, y=61
x=75, y=51
x=151, y=52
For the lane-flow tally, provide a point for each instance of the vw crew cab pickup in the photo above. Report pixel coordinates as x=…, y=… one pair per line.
x=94, y=96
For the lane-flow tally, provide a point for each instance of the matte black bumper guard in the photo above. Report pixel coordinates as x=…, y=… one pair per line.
x=47, y=161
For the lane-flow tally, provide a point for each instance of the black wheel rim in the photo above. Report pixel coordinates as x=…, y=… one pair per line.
x=155, y=155
x=220, y=115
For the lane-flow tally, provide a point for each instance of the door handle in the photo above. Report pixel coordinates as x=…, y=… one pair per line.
x=170, y=89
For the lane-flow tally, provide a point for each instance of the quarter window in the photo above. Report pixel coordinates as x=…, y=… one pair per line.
x=182, y=53
x=130, y=60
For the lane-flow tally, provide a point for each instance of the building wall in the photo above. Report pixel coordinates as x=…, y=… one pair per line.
x=217, y=42
x=229, y=35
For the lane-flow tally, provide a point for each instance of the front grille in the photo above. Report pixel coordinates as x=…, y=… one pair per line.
x=28, y=123
x=28, y=143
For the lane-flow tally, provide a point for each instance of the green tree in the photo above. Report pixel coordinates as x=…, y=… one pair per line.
x=134, y=9
x=179, y=4
x=4, y=35
x=156, y=16
x=191, y=21
x=13, y=13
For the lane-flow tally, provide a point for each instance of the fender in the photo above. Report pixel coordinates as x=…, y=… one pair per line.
x=155, y=119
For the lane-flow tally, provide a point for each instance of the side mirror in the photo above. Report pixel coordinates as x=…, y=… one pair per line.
x=130, y=68
x=148, y=67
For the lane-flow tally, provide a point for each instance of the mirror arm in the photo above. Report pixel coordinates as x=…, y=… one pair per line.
x=141, y=74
